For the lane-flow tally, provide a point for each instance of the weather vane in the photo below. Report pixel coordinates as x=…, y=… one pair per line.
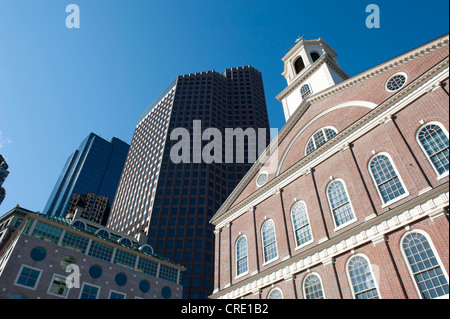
x=299, y=39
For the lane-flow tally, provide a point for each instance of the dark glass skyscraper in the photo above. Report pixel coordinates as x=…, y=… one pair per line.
x=95, y=167
x=171, y=201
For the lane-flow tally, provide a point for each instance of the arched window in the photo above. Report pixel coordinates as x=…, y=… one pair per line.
x=305, y=91
x=434, y=143
x=126, y=242
x=314, y=56
x=361, y=278
x=319, y=138
x=269, y=241
x=300, y=223
x=79, y=224
x=241, y=255
x=103, y=233
x=275, y=294
x=299, y=65
x=312, y=287
x=386, y=179
x=339, y=203
x=424, y=266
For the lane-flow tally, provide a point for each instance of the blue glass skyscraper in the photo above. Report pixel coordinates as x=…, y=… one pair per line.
x=95, y=167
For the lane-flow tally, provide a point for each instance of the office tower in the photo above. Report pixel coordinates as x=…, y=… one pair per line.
x=358, y=205
x=173, y=201
x=95, y=167
x=94, y=208
x=3, y=174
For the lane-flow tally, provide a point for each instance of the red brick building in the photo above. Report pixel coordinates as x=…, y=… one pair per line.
x=353, y=201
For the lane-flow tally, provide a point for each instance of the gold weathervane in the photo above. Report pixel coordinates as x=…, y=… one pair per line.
x=299, y=39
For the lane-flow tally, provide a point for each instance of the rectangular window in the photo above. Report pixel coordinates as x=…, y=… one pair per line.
x=46, y=232
x=116, y=295
x=89, y=291
x=168, y=273
x=147, y=267
x=28, y=277
x=125, y=259
x=75, y=242
x=58, y=287
x=101, y=251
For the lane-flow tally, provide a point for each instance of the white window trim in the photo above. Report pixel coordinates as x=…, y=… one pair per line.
x=50, y=286
x=91, y=285
x=25, y=286
x=263, y=246
x=297, y=246
x=304, y=281
x=236, y=263
x=274, y=289
x=117, y=292
x=387, y=81
x=439, y=176
x=371, y=272
x=261, y=173
x=336, y=228
x=436, y=255
x=383, y=203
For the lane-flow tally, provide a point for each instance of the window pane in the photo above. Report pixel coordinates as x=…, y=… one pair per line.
x=241, y=255
x=436, y=146
x=386, y=178
x=425, y=267
x=362, y=279
x=340, y=204
x=301, y=223
x=269, y=241
x=313, y=288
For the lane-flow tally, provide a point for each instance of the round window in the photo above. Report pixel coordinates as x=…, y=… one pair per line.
x=121, y=279
x=95, y=271
x=262, y=179
x=396, y=82
x=38, y=253
x=166, y=292
x=66, y=261
x=144, y=286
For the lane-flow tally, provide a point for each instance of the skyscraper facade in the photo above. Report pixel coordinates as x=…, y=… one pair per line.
x=3, y=174
x=173, y=199
x=95, y=167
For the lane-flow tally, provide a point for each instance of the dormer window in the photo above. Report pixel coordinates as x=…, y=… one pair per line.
x=314, y=56
x=299, y=65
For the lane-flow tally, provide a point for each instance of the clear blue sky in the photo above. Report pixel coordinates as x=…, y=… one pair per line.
x=57, y=84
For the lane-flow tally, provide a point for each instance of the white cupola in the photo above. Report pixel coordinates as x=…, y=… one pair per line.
x=310, y=66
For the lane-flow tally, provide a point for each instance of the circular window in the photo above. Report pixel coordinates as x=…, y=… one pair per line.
x=66, y=261
x=121, y=279
x=95, y=271
x=144, y=286
x=262, y=179
x=38, y=253
x=166, y=292
x=395, y=82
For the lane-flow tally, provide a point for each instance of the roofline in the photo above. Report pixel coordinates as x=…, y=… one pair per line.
x=381, y=68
